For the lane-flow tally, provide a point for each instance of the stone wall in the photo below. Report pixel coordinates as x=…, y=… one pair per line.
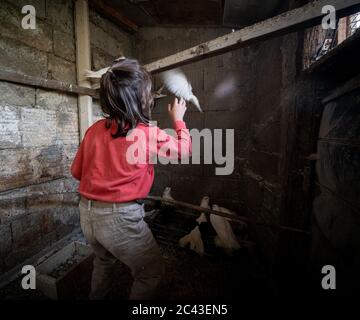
x=39, y=133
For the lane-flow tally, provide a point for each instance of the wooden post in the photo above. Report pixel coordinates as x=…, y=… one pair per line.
x=83, y=62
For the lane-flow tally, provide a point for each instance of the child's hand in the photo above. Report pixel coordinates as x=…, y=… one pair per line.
x=177, y=109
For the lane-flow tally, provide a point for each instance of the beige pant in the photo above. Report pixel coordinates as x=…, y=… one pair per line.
x=118, y=231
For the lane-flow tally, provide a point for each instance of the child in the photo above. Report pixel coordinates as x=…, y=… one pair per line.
x=110, y=216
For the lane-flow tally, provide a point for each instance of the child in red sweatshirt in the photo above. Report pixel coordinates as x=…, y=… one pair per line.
x=110, y=184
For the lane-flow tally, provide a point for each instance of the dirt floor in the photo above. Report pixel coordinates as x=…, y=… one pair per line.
x=188, y=276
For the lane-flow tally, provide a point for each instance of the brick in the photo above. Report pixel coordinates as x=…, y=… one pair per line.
x=16, y=57
x=64, y=45
x=10, y=27
x=62, y=70
x=10, y=136
x=60, y=14
x=16, y=95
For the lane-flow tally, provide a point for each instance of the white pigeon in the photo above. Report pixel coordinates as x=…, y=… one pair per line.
x=167, y=194
x=195, y=241
x=225, y=238
x=175, y=81
x=205, y=204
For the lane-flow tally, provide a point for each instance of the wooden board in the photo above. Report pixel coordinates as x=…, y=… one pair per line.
x=46, y=83
x=114, y=15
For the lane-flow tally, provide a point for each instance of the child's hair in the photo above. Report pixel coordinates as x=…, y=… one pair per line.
x=125, y=95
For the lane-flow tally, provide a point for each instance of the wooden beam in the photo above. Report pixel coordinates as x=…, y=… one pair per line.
x=233, y=217
x=46, y=84
x=83, y=62
x=308, y=15
x=114, y=15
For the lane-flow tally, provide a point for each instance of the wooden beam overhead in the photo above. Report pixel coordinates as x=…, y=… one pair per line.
x=114, y=15
x=306, y=16
x=46, y=84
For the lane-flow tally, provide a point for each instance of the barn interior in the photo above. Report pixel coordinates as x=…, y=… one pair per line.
x=269, y=70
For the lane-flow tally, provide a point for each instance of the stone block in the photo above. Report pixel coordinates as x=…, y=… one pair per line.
x=100, y=39
x=62, y=70
x=22, y=167
x=60, y=14
x=26, y=230
x=19, y=58
x=10, y=27
x=113, y=30
x=16, y=95
x=100, y=58
x=67, y=130
x=53, y=100
x=38, y=127
x=10, y=136
x=64, y=45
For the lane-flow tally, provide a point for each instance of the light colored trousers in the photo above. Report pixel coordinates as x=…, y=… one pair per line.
x=118, y=231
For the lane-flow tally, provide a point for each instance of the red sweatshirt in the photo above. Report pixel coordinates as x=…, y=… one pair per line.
x=102, y=164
